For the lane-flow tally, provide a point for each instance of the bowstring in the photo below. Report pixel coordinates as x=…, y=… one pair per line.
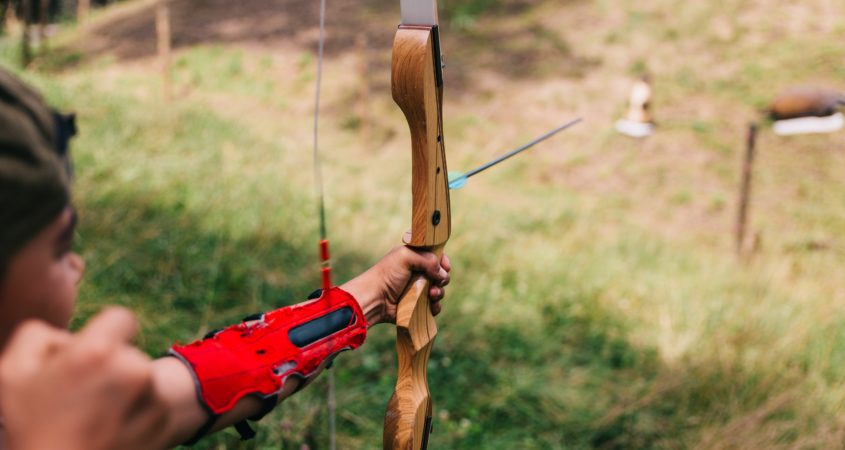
x=318, y=173
x=318, y=182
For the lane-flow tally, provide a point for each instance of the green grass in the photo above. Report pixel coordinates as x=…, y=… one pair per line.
x=596, y=301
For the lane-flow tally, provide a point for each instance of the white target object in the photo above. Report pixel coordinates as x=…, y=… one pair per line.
x=807, y=125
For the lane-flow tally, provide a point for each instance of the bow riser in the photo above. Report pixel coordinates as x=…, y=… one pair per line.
x=417, y=89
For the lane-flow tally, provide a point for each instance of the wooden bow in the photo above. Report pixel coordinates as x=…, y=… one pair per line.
x=417, y=85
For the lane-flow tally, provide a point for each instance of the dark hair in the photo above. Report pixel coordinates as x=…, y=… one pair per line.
x=34, y=165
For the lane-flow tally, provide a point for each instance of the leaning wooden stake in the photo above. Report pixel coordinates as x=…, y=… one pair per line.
x=744, y=199
x=163, y=37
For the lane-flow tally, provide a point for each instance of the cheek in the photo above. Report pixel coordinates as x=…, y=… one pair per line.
x=55, y=299
x=60, y=309
x=39, y=296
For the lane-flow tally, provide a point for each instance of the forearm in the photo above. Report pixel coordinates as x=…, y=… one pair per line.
x=175, y=384
x=368, y=294
x=241, y=372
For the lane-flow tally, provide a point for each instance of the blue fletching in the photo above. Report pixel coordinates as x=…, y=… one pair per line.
x=457, y=180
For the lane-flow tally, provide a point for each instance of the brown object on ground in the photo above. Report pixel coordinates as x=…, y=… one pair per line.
x=806, y=101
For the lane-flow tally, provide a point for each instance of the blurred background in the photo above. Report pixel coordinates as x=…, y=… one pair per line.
x=598, y=300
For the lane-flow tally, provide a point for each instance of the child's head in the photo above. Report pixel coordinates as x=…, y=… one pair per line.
x=38, y=270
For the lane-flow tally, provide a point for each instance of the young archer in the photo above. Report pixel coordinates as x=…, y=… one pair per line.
x=93, y=389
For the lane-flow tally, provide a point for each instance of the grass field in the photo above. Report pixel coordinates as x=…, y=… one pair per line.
x=596, y=301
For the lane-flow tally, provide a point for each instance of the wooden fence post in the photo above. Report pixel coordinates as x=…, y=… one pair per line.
x=43, y=21
x=363, y=87
x=164, y=40
x=26, y=47
x=744, y=198
x=82, y=9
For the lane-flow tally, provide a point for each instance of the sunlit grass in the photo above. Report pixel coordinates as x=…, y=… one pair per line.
x=596, y=300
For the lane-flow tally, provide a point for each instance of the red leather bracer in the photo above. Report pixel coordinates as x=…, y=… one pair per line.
x=257, y=356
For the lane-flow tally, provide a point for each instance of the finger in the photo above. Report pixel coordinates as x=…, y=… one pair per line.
x=435, y=293
x=446, y=263
x=32, y=341
x=429, y=264
x=445, y=282
x=423, y=262
x=436, y=308
x=113, y=325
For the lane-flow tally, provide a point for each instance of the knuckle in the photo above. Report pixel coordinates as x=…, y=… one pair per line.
x=31, y=327
x=93, y=353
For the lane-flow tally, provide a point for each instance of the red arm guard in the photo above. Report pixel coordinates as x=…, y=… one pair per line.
x=257, y=356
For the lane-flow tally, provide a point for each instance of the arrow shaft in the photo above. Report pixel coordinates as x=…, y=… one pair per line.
x=521, y=149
